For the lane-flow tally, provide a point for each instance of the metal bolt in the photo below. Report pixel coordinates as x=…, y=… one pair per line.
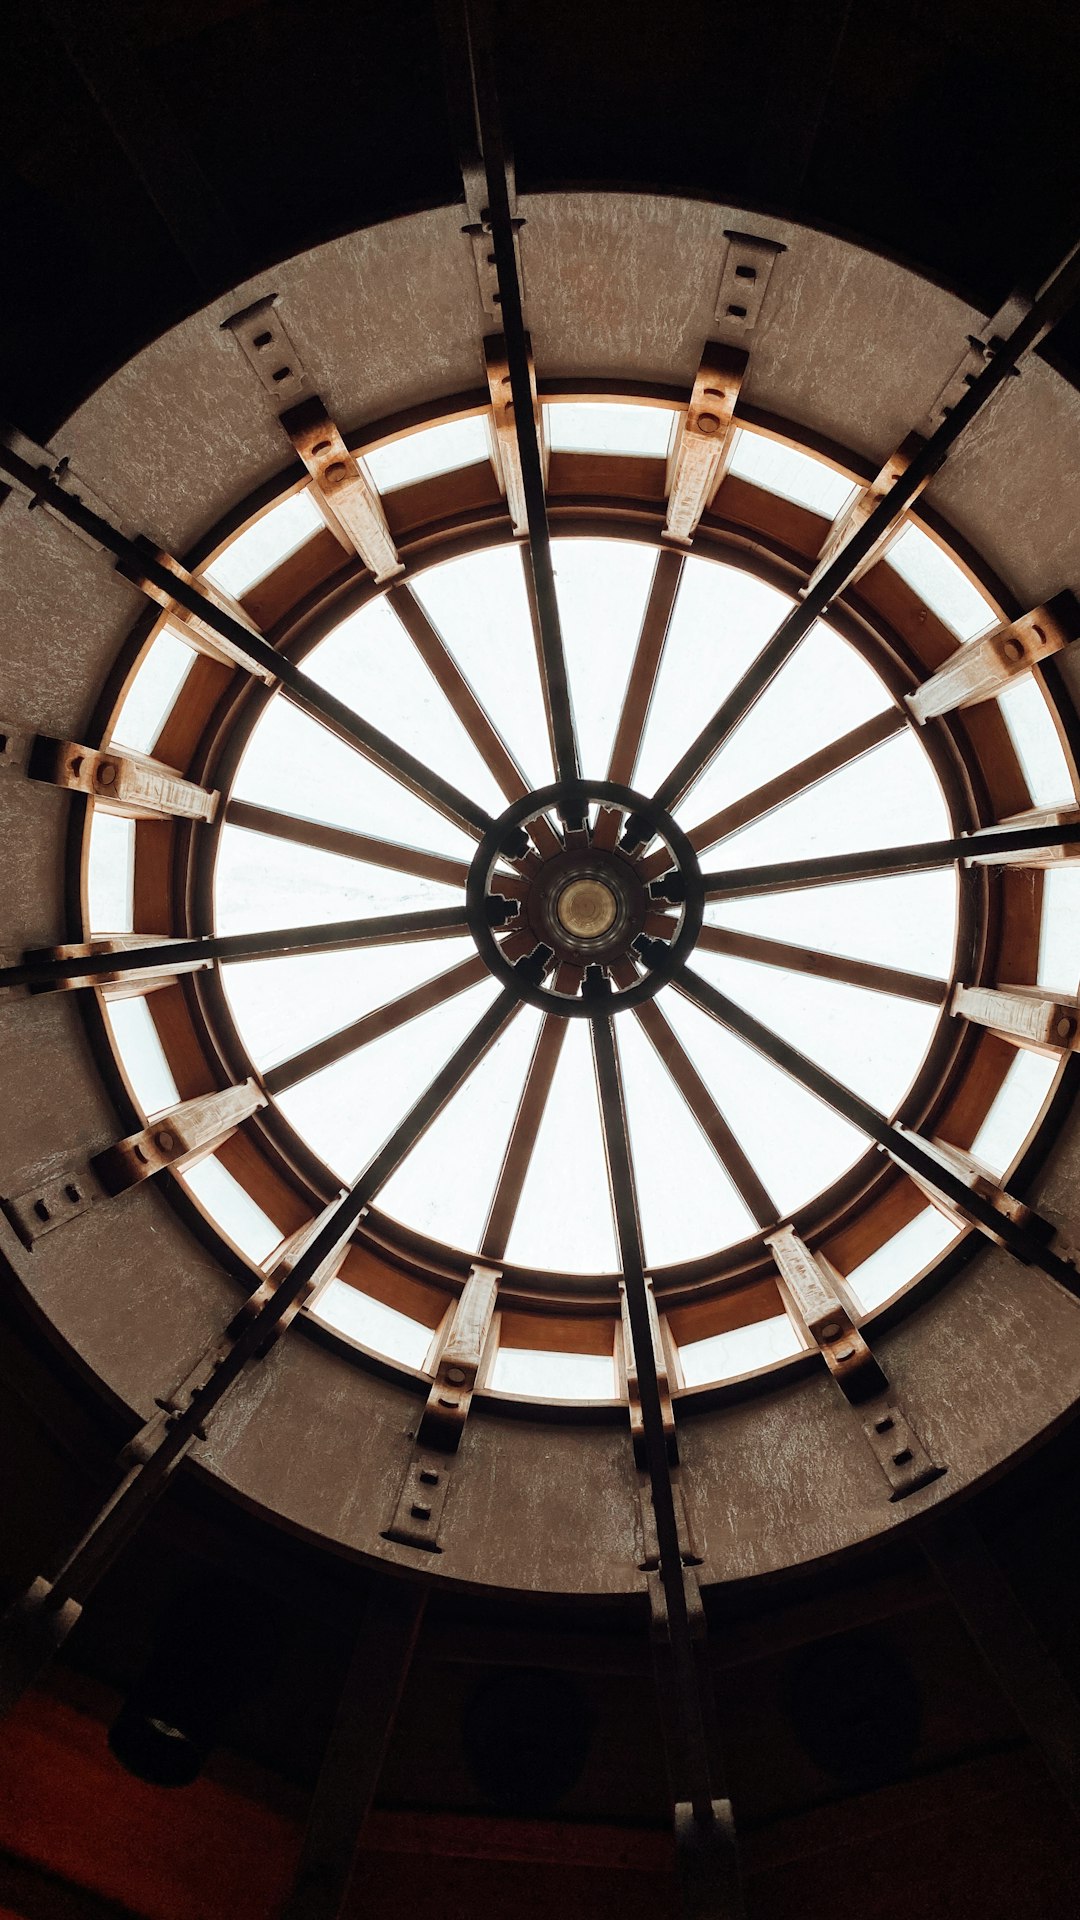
x=831, y=1330
x=708, y=423
x=845, y=1353
x=1013, y=650
x=165, y=1140
x=107, y=774
x=336, y=470
x=455, y=1376
x=1065, y=1027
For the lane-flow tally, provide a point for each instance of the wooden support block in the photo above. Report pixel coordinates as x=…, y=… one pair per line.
x=858, y=511
x=126, y=984
x=630, y=1366
x=177, y=1138
x=1023, y=1015
x=810, y=1294
x=744, y=282
x=506, y=457
x=458, y=1362
x=198, y=634
x=699, y=459
x=130, y=784
x=975, y=1176
x=980, y=669
x=349, y=501
x=1036, y=856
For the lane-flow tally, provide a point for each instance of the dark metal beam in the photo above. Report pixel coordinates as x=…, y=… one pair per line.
x=351, y=845
x=822, y=870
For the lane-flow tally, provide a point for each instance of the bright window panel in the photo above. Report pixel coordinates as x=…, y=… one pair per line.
x=254, y=554
x=136, y=1040
x=295, y=765
x=370, y=662
x=1034, y=735
x=281, y=1006
x=554, y=1376
x=602, y=587
x=601, y=426
x=825, y=689
x=479, y=605
x=420, y=456
x=721, y=619
x=915, y=1247
x=445, y=1186
x=152, y=694
x=346, y=1112
x=907, y=920
x=794, y=475
x=1015, y=1111
x=941, y=582
x=1059, y=932
x=232, y=1209
x=687, y=1202
x=796, y=1144
x=110, y=875
x=724, y=1356
x=564, y=1218
x=262, y=882
x=368, y=1321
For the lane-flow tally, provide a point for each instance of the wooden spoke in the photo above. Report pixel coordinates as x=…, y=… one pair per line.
x=824, y=966
x=387, y=754
x=519, y=1148
x=643, y=674
x=824, y=870
x=353, y=846
x=750, y=1188
x=371, y=1026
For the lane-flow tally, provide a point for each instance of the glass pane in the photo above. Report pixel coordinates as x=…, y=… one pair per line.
x=602, y=587
x=110, y=874
x=136, y=1040
x=372, y=1324
x=261, y=882
x=419, y=456
x=1059, y=933
x=1016, y=1109
x=785, y=470
x=723, y=1356
x=554, y=1376
x=907, y=921
x=254, y=554
x=1034, y=735
x=232, y=1209
x=943, y=584
x=564, y=1217
x=152, y=694
x=922, y=1241
x=601, y=426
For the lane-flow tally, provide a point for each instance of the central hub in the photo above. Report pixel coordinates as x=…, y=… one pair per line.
x=586, y=909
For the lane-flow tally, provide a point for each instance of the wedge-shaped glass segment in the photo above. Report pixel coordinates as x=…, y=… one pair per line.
x=942, y=583
x=254, y=554
x=395, y=1335
x=110, y=873
x=873, y=1043
x=1015, y=1112
x=721, y=620
x=370, y=663
x=1034, y=735
x=602, y=587
x=1059, y=932
x=824, y=690
x=542, y=1375
x=724, y=1356
x=907, y=921
x=420, y=456
x=281, y=1006
x=602, y=426
x=688, y=1205
x=136, y=1040
x=231, y=1208
x=564, y=1218
x=152, y=694
x=295, y=765
x=444, y=1188
x=480, y=607
x=910, y=1252
x=794, y=475
x=262, y=882
x=347, y=1111
x=794, y=1141
x=889, y=798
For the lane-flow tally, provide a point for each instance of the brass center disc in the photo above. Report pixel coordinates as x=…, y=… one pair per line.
x=587, y=909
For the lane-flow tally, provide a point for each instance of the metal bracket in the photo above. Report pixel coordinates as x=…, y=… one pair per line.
x=53, y=1201
x=981, y=348
x=263, y=339
x=57, y=468
x=478, y=231
x=418, y=1514
x=744, y=282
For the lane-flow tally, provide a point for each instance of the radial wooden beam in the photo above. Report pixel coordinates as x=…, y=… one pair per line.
x=862, y=506
x=340, y=485
x=824, y=870
x=351, y=845
x=519, y=1147
x=981, y=669
x=388, y=755
x=740, y=1171
x=706, y=437
x=824, y=966
x=1045, y=1023
x=372, y=1026
x=641, y=685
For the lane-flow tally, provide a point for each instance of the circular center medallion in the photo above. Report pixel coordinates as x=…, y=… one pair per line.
x=587, y=909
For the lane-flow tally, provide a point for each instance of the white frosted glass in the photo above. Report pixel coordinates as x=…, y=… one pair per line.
x=554, y=1376
x=232, y=1209
x=368, y=1321
x=110, y=873
x=889, y=798
x=785, y=470
x=602, y=588
x=907, y=920
x=1059, y=932
x=152, y=694
x=603, y=426
x=262, y=882
x=914, y=1247
x=1015, y=1110
x=723, y=1356
x=563, y=1220
x=421, y=455
x=1034, y=735
x=136, y=1040
x=941, y=582
x=254, y=554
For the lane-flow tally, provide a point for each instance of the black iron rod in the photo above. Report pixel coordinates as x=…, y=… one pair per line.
x=825, y=870
x=1053, y=301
